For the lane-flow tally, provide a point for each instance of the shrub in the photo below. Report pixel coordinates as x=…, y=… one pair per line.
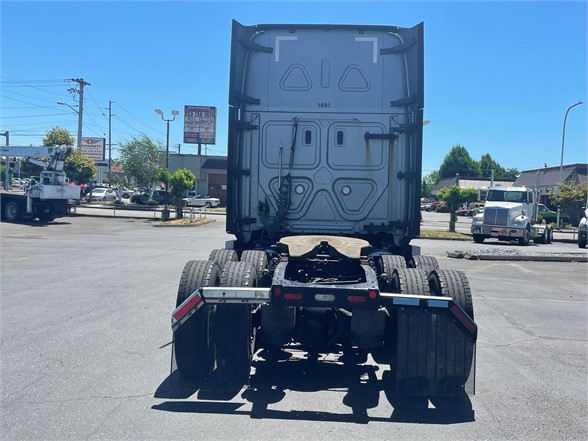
x=552, y=218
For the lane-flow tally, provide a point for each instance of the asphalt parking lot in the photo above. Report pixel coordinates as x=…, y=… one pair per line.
x=86, y=304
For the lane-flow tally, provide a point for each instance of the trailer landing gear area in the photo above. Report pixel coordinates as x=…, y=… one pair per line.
x=400, y=325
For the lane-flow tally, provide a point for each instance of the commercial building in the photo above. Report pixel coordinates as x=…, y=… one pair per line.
x=210, y=172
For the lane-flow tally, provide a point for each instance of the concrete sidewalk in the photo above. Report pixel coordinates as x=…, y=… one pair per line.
x=136, y=212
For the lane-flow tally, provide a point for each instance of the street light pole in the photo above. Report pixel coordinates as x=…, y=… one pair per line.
x=6, y=174
x=563, y=137
x=165, y=214
x=61, y=103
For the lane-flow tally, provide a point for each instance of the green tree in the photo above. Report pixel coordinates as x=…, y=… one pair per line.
x=511, y=173
x=28, y=169
x=487, y=164
x=2, y=171
x=571, y=198
x=58, y=136
x=53, y=137
x=182, y=180
x=453, y=197
x=142, y=158
x=458, y=161
x=428, y=183
x=78, y=168
x=163, y=175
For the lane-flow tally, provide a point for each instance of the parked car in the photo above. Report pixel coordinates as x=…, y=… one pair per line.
x=583, y=230
x=435, y=205
x=550, y=216
x=201, y=201
x=472, y=209
x=17, y=183
x=140, y=198
x=160, y=196
x=125, y=192
x=101, y=194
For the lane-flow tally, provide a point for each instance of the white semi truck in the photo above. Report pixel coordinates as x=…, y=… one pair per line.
x=510, y=214
x=324, y=177
x=47, y=199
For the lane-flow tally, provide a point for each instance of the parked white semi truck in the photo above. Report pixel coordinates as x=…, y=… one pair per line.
x=510, y=214
x=324, y=177
x=47, y=199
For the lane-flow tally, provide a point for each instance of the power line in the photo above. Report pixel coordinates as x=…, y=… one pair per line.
x=25, y=102
x=14, y=83
x=35, y=116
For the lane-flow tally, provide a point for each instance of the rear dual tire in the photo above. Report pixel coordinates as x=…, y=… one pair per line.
x=233, y=329
x=454, y=284
x=193, y=346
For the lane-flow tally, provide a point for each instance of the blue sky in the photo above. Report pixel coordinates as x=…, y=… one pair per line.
x=499, y=76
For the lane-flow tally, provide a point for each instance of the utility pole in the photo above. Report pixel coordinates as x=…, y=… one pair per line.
x=81, y=83
x=109, y=142
x=179, y=146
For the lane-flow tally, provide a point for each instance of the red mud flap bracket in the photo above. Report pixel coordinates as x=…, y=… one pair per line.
x=216, y=295
x=435, y=346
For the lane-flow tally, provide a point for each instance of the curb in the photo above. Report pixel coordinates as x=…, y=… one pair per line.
x=469, y=239
x=195, y=224
x=518, y=258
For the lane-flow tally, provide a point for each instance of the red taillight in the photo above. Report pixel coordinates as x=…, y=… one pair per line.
x=180, y=313
x=277, y=291
x=293, y=296
x=373, y=295
x=356, y=299
x=463, y=319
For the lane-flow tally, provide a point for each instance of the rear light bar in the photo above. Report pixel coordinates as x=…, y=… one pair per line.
x=339, y=296
x=215, y=295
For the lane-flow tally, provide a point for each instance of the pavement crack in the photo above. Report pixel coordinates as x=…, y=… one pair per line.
x=69, y=400
x=108, y=415
x=512, y=343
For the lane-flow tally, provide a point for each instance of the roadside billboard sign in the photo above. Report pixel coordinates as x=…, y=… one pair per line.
x=93, y=148
x=199, y=125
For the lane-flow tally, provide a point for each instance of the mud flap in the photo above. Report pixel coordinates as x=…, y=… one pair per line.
x=435, y=354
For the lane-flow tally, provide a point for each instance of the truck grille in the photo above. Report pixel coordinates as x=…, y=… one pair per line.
x=495, y=216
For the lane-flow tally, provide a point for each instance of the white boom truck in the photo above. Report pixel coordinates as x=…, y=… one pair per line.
x=48, y=198
x=510, y=214
x=324, y=176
